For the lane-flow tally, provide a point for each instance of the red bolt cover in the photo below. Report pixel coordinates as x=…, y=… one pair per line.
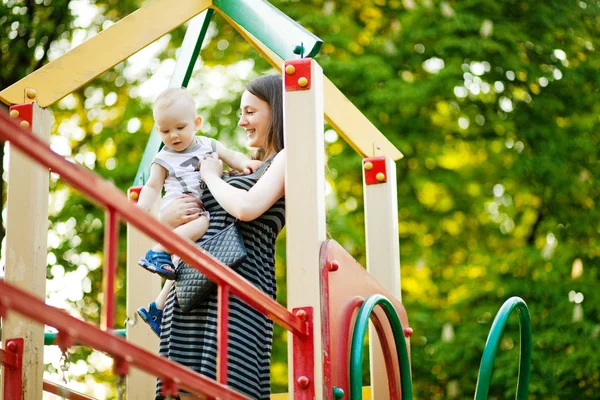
x=303, y=382
x=334, y=265
x=301, y=314
x=12, y=347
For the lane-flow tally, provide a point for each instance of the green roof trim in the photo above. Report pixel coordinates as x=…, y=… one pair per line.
x=276, y=30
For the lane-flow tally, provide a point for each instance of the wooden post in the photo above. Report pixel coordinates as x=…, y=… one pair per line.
x=383, y=249
x=305, y=200
x=26, y=244
x=142, y=288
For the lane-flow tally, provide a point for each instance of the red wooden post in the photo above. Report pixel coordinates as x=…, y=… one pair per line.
x=304, y=364
x=222, y=334
x=111, y=240
x=12, y=359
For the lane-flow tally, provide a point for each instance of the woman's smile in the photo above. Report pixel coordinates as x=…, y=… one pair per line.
x=255, y=119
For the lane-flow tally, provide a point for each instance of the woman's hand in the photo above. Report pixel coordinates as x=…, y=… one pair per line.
x=211, y=166
x=180, y=211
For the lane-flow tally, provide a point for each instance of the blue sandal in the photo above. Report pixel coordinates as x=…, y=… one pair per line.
x=156, y=261
x=153, y=317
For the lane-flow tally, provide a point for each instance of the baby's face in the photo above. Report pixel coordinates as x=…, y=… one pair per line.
x=177, y=126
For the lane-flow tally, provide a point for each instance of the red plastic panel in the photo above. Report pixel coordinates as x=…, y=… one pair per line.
x=346, y=284
x=25, y=113
x=297, y=74
x=304, y=362
x=13, y=372
x=375, y=171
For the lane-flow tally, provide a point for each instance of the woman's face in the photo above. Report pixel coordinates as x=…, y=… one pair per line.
x=255, y=119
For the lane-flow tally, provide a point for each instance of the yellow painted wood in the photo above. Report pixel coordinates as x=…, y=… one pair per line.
x=340, y=113
x=26, y=249
x=102, y=52
x=366, y=392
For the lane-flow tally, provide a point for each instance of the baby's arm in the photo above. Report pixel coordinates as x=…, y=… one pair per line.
x=236, y=160
x=151, y=190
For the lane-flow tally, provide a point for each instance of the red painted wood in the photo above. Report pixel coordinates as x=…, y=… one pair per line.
x=134, y=193
x=330, y=266
x=378, y=164
x=32, y=307
x=303, y=350
x=302, y=70
x=111, y=241
x=394, y=386
x=12, y=359
x=25, y=112
x=108, y=196
x=347, y=287
x=222, y=334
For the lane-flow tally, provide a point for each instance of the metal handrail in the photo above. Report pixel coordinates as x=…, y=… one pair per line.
x=356, y=352
x=64, y=392
x=111, y=198
x=50, y=337
x=72, y=330
x=491, y=347
x=118, y=207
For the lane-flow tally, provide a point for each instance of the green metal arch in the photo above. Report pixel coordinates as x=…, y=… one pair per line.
x=276, y=30
x=356, y=352
x=491, y=347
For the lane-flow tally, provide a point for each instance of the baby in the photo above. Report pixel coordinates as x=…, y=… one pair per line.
x=176, y=169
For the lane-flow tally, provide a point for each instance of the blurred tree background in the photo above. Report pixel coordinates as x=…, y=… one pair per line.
x=495, y=107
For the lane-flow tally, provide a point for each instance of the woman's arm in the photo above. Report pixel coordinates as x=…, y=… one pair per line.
x=235, y=159
x=251, y=204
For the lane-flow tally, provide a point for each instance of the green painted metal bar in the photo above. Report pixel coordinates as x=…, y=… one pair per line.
x=358, y=337
x=287, y=38
x=50, y=337
x=491, y=347
x=190, y=49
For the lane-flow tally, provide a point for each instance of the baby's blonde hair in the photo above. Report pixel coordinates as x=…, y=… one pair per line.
x=170, y=96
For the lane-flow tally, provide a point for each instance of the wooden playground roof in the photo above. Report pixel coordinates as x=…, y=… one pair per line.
x=273, y=34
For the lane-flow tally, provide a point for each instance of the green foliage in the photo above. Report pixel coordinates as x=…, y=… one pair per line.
x=494, y=105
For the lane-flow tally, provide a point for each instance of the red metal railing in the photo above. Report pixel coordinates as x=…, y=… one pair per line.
x=71, y=330
x=118, y=207
x=64, y=392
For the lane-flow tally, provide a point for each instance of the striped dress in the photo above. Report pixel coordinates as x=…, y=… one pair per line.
x=191, y=338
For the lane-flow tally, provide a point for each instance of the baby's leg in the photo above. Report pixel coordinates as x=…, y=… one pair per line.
x=161, y=300
x=192, y=230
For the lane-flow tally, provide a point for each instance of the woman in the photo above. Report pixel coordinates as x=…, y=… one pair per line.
x=256, y=200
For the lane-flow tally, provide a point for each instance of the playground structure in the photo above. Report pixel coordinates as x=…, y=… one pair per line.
x=332, y=295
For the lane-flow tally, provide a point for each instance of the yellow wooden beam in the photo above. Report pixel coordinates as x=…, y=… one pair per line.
x=340, y=113
x=103, y=51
